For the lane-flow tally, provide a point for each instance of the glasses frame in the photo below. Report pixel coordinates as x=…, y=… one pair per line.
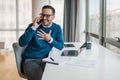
x=46, y=15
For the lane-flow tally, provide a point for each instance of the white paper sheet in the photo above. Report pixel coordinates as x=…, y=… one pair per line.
x=82, y=62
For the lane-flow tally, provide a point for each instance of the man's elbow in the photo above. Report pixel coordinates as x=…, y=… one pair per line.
x=61, y=47
x=21, y=44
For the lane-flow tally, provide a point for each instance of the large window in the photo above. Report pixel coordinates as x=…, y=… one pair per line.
x=113, y=21
x=15, y=15
x=104, y=22
x=7, y=22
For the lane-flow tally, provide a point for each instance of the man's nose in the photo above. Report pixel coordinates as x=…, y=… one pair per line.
x=44, y=17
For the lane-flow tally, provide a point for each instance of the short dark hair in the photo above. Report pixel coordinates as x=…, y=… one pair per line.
x=49, y=7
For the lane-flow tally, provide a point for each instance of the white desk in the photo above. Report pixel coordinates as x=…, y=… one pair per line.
x=107, y=66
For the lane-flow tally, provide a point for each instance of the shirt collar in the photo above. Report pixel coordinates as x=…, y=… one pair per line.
x=47, y=26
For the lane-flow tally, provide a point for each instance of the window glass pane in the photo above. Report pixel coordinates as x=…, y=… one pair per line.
x=94, y=39
x=113, y=18
x=113, y=48
x=25, y=13
x=7, y=14
x=113, y=22
x=94, y=14
x=9, y=37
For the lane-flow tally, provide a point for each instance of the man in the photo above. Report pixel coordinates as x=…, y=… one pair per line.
x=39, y=38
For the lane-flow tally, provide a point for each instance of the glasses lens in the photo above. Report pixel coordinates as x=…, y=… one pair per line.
x=46, y=15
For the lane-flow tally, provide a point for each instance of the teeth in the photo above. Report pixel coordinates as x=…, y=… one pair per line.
x=45, y=21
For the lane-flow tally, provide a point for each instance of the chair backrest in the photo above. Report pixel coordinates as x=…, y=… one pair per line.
x=18, y=56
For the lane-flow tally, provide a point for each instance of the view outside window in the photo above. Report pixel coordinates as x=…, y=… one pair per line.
x=113, y=21
x=94, y=21
x=9, y=29
x=24, y=15
x=59, y=7
x=7, y=22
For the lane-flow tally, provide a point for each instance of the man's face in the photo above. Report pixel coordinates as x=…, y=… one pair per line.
x=47, y=17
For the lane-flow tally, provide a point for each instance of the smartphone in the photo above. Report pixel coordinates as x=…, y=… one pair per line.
x=39, y=22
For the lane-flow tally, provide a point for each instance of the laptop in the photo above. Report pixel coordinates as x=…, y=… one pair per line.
x=70, y=53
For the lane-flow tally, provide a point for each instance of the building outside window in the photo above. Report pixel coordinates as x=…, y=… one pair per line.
x=113, y=22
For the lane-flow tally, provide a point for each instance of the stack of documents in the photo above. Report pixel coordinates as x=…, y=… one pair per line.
x=50, y=60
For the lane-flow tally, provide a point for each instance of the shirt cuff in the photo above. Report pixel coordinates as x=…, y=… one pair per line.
x=33, y=28
x=51, y=40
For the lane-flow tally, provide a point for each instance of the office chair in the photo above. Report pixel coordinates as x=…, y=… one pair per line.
x=2, y=46
x=18, y=56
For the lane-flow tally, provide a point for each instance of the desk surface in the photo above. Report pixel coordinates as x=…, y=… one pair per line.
x=106, y=67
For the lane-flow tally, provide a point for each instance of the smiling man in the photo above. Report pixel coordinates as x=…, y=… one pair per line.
x=40, y=37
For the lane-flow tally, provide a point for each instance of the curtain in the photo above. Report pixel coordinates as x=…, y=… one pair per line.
x=69, y=23
x=80, y=22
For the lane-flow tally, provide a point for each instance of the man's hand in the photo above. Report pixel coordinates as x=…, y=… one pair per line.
x=35, y=24
x=44, y=36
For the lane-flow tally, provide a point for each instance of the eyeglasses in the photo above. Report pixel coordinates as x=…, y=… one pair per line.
x=45, y=15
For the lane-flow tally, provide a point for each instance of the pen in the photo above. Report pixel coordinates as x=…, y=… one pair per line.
x=51, y=58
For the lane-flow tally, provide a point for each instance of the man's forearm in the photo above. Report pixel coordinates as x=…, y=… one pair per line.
x=26, y=37
x=57, y=44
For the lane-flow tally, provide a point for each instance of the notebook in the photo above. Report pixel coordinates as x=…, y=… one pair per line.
x=50, y=60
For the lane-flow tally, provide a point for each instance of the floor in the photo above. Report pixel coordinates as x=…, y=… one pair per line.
x=8, y=69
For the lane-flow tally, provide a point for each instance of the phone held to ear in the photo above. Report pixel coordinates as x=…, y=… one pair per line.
x=39, y=22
